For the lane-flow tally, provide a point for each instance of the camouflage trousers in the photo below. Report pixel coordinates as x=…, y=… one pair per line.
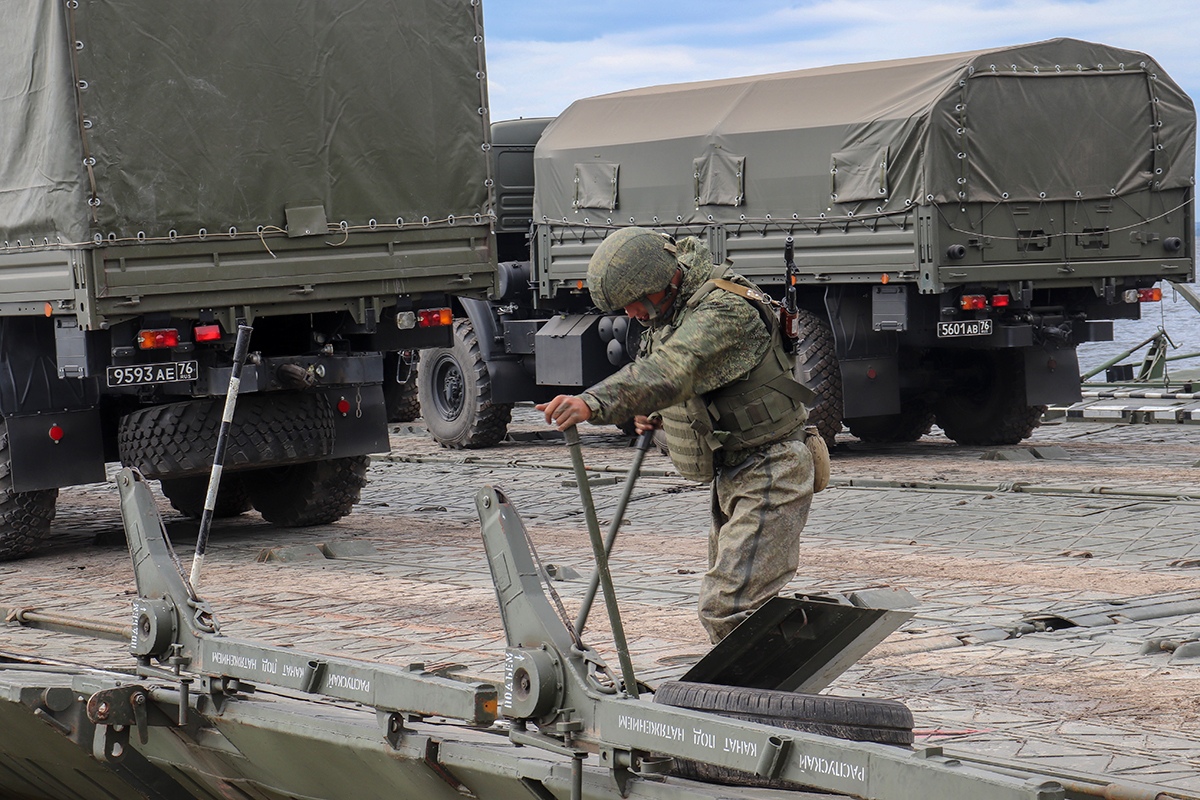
x=759, y=509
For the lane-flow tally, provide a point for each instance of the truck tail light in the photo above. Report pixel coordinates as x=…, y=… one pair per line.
x=974, y=302
x=206, y=333
x=1143, y=295
x=1000, y=301
x=157, y=338
x=435, y=317
x=56, y=433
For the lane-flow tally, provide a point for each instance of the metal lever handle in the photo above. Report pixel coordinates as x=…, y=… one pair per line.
x=601, y=556
x=643, y=444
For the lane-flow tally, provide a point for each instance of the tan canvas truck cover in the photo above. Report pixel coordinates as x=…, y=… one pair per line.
x=1061, y=120
x=128, y=122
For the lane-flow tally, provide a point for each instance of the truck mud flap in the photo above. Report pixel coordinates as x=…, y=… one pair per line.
x=55, y=448
x=362, y=428
x=1051, y=376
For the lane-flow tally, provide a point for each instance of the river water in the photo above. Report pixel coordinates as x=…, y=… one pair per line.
x=1173, y=314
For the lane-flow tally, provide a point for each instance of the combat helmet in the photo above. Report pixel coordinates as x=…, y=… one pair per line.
x=630, y=264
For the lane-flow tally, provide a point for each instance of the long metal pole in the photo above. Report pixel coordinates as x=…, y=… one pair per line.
x=643, y=444
x=240, y=348
x=601, y=555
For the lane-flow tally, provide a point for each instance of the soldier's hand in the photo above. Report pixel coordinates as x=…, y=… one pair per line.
x=565, y=411
x=643, y=423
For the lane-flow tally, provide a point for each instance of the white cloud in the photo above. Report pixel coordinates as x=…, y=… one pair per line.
x=540, y=78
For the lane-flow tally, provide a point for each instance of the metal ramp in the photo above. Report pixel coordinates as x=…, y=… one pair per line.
x=1132, y=405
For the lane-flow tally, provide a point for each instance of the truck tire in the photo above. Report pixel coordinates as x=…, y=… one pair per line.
x=187, y=496
x=987, y=407
x=400, y=386
x=455, y=390
x=313, y=493
x=914, y=421
x=25, y=517
x=179, y=439
x=853, y=718
x=817, y=368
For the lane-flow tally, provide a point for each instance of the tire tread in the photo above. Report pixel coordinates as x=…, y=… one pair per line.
x=482, y=422
x=25, y=517
x=851, y=718
x=179, y=439
x=817, y=368
x=313, y=493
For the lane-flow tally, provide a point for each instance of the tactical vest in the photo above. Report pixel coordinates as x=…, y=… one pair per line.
x=764, y=407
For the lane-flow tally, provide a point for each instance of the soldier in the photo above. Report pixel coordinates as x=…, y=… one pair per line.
x=714, y=365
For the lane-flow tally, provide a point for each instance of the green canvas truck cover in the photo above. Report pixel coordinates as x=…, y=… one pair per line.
x=1056, y=120
x=128, y=118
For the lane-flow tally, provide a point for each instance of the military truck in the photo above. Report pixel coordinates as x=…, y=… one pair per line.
x=320, y=176
x=960, y=223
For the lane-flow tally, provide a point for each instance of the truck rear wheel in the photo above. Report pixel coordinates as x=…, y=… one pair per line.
x=914, y=421
x=25, y=517
x=455, y=390
x=817, y=368
x=178, y=439
x=313, y=493
x=187, y=496
x=987, y=404
x=853, y=718
x=400, y=386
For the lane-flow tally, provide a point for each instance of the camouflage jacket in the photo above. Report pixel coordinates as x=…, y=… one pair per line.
x=717, y=344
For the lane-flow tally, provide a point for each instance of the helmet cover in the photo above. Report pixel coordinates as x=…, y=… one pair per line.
x=628, y=265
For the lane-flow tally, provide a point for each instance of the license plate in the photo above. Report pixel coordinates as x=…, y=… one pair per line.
x=965, y=327
x=148, y=374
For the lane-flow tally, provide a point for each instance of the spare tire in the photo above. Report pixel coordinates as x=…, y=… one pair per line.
x=854, y=718
x=179, y=439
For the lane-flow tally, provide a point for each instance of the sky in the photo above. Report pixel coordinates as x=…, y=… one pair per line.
x=544, y=54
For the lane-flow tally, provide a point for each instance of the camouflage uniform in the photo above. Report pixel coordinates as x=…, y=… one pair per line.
x=761, y=495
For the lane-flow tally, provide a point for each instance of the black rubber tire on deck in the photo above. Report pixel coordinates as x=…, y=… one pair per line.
x=25, y=517
x=178, y=439
x=817, y=368
x=187, y=496
x=313, y=493
x=455, y=390
x=400, y=386
x=914, y=421
x=988, y=407
x=853, y=718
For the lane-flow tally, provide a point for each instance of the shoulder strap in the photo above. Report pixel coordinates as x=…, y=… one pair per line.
x=738, y=289
x=708, y=285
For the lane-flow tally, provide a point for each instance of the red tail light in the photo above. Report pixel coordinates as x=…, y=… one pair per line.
x=435, y=317
x=974, y=302
x=158, y=338
x=207, y=333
